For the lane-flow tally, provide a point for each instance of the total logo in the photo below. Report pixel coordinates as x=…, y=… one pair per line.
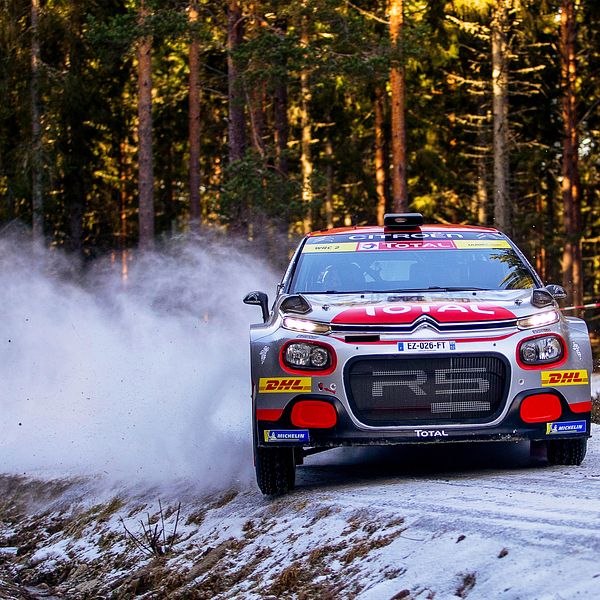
x=409, y=312
x=278, y=385
x=427, y=433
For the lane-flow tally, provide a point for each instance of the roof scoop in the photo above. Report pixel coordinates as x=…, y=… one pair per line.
x=295, y=304
x=399, y=221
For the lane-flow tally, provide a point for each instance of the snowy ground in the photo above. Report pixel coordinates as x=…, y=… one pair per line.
x=114, y=377
x=454, y=521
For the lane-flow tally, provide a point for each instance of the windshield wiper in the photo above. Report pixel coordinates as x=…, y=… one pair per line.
x=430, y=289
x=401, y=290
x=459, y=289
x=331, y=292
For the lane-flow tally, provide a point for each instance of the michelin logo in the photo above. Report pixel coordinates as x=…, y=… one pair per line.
x=567, y=427
x=286, y=435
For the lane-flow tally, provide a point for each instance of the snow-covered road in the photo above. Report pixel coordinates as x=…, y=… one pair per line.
x=447, y=521
x=545, y=521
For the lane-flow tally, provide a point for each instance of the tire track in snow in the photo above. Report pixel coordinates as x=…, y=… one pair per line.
x=535, y=506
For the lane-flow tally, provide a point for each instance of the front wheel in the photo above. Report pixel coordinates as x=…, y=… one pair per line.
x=275, y=470
x=567, y=452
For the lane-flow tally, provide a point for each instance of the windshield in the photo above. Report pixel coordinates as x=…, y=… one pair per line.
x=331, y=268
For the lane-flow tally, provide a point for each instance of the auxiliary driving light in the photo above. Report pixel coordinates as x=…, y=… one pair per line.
x=540, y=408
x=314, y=414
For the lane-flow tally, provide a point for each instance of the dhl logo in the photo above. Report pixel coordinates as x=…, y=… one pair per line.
x=278, y=385
x=556, y=378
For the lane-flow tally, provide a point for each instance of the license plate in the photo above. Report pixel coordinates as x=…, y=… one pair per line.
x=427, y=346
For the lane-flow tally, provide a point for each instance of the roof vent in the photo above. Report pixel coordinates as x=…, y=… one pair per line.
x=394, y=222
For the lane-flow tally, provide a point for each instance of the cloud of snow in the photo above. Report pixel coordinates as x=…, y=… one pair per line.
x=145, y=379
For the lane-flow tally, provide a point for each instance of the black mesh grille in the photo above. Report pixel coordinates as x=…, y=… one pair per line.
x=428, y=390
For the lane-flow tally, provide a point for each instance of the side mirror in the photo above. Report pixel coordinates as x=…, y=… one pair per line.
x=259, y=299
x=557, y=291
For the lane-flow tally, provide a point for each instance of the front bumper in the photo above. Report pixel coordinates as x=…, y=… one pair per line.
x=276, y=390
x=345, y=432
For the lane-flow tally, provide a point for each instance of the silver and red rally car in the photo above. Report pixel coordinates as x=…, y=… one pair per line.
x=413, y=333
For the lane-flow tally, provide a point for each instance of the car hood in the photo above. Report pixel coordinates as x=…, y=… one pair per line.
x=405, y=308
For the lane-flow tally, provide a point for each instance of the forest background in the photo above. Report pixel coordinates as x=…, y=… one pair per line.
x=123, y=122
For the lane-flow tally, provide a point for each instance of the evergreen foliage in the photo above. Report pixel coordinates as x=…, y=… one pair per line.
x=89, y=118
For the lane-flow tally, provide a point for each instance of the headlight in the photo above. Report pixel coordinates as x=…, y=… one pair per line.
x=305, y=326
x=539, y=320
x=541, y=350
x=304, y=355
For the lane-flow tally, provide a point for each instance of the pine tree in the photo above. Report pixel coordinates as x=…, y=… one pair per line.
x=398, y=90
x=571, y=191
x=146, y=163
x=194, y=118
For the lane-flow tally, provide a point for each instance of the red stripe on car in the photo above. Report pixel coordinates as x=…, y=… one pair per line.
x=456, y=312
x=581, y=407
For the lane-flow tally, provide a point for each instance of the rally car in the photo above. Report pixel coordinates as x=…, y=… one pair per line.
x=413, y=333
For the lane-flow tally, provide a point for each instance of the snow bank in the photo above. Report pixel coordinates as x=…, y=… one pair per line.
x=144, y=378
x=595, y=384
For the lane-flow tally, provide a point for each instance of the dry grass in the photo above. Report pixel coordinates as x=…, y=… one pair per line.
x=466, y=585
x=322, y=513
x=197, y=517
x=288, y=580
x=365, y=546
x=225, y=499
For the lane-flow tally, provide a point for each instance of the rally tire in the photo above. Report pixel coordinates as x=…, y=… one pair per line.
x=275, y=470
x=567, y=452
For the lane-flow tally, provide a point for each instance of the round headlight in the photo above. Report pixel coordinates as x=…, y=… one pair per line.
x=298, y=355
x=301, y=355
x=541, y=350
x=319, y=357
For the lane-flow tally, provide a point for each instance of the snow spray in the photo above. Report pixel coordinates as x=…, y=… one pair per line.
x=146, y=378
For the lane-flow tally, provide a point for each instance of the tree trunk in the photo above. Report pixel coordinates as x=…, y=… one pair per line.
x=572, y=262
x=553, y=266
x=123, y=197
x=146, y=168
x=74, y=174
x=257, y=97
x=380, y=152
x=306, y=127
x=36, y=128
x=77, y=151
x=256, y=90
x=329, y=174
x=499, y=28
x=194, y=121
x=540, y=235
x=397, y=85
x=236, y=126
x=280, y=110
x=482, y=193
x=480, y=202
